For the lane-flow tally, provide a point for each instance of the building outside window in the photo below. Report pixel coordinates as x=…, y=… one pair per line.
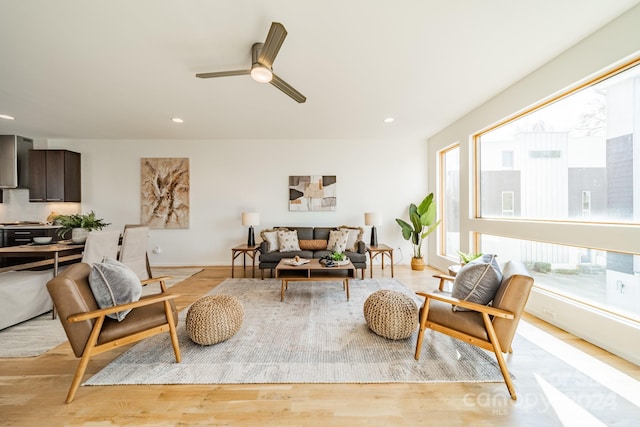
x=507, y=203
x=576, y=160
x=507, y=159
x=586, y=203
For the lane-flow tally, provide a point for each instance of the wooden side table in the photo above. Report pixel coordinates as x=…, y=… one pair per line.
x=244, y=250
x=382, y=250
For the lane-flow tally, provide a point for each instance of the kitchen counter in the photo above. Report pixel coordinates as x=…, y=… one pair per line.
x=15, y=226
x=22, y=233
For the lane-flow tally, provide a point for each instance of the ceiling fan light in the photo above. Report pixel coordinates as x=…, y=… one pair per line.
x=261, y=74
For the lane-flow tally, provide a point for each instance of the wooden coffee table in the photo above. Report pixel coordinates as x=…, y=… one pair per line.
x=313, y=271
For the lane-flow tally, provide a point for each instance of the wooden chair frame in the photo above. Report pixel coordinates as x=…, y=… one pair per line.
x=487, y=313
x=92, y=348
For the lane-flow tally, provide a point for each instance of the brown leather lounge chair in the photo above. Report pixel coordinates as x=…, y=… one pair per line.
x=489, y=327
x=88, y=329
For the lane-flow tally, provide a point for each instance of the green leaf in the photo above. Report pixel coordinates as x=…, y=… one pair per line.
x=417, y=224
x=430, y=229
x=426, y=203
x=429, y=216
x=406, y=228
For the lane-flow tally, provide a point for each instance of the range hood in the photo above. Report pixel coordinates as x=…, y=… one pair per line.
x=14, y=161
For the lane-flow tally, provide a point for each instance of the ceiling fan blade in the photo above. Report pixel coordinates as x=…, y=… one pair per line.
x=275, y=38
x=223, y=74
x=287, y=89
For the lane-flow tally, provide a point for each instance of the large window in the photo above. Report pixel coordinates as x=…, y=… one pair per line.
x=575, y=159
x=574, y=162
x=606, y=279
x=450, y=212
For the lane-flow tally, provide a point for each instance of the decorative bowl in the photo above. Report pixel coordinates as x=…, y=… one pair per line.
x=334, y=263
x=42, y=240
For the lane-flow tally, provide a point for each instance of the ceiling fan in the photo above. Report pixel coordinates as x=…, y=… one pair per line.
x=262, y=57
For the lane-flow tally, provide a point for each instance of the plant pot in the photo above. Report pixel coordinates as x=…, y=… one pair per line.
x=79, y=235
x=417, y=264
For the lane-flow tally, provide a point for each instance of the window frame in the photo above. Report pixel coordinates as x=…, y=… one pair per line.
x=598, y=235
x=442, y=229
x=475, y=137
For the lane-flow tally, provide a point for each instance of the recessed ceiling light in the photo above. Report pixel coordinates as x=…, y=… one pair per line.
x=177, y=120
x=389, y=120
x=6, y=117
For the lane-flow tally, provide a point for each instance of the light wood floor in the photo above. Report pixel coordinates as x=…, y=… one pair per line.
x=574, y=384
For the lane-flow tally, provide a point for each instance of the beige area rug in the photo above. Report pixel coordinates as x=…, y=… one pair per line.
x=40, y=334
x=314, y=336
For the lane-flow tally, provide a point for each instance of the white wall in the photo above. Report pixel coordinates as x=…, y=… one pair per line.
x=232, y=176
x=616, y=43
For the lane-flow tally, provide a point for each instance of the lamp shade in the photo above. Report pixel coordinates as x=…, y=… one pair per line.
x=372, y=218
x=250, y=218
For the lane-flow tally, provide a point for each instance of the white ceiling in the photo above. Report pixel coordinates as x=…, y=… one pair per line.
x=122, y=69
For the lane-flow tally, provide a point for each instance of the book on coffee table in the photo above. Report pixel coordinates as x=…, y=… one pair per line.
x=292, y=261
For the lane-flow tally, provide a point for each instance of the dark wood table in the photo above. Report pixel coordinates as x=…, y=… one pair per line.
x=53, y=254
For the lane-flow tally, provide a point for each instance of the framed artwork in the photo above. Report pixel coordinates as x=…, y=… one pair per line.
x=164, y=192
x=312, y=193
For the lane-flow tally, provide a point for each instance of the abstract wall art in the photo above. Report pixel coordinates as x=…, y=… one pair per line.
x=164, y=192
x=312, y=193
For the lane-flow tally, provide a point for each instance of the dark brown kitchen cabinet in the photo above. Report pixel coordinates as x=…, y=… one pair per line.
x=54, y=176
x=17, y=236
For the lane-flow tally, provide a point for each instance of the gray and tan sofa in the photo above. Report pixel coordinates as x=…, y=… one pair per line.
x=312, y=243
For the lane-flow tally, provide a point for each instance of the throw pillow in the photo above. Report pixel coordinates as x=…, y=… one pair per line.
x=288, y=241
x=271, y=237
x=313, y=245
x=478, y=281
x=113, y=283
x=355, y=235
x=337, y=240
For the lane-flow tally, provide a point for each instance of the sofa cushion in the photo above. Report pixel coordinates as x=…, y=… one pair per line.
x=304, y=233
x=113, y=283
x=354, y=257
x=271, y=237
x=338, y=240
x=313, y=245
x=478, y=281
x=322, y=233
x=355, y=234
x=288, y=241
x=275, y=257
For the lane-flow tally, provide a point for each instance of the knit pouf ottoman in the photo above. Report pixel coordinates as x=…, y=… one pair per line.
x=214, y=318
x=391, y=314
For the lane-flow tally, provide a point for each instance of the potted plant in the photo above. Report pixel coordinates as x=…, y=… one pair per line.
x=466, y=258
x=422, y=223
x=79, y=224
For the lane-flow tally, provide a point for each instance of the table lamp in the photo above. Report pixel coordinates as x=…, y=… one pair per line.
x=250, y=219
x=373, y=219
